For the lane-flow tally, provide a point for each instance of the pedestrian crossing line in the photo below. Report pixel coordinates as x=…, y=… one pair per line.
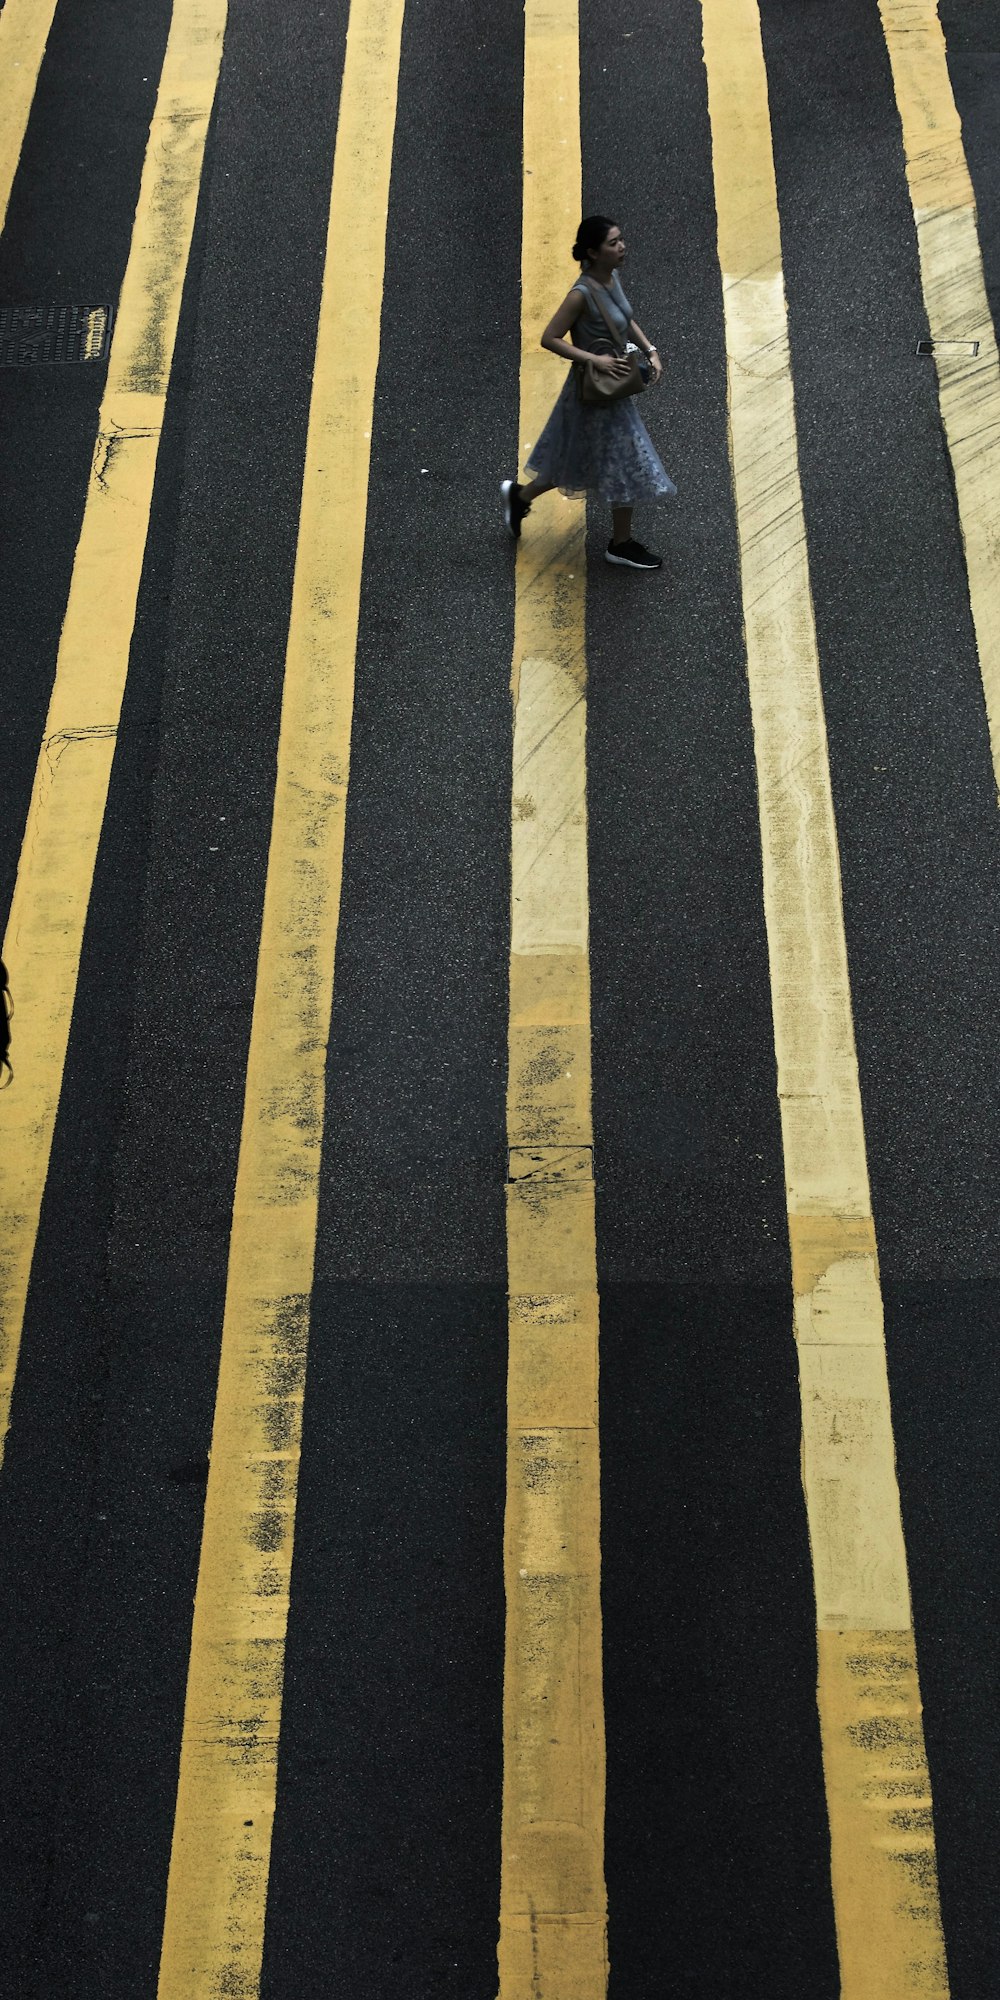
x=24, y=32
x=214, y=1926
x=883, y=1862
x=55, y=873
x=951, y=270
x=553, y=1917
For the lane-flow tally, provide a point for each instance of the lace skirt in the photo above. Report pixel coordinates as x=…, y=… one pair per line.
x=584, y=449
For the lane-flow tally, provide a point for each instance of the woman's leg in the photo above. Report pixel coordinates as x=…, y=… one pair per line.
x=517, y=499
x=621, y=524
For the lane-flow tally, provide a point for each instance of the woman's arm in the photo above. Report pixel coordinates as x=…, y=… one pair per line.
x=642, y=340
x=554, y=337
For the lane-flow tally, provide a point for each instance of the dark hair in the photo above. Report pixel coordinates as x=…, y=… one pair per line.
x=590, y=235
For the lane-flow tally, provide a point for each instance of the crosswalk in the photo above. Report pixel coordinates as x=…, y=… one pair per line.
x=24, y=30
x=884, y=1883
x=958, y=313
x=553, y=1930
x=551, y=1891
x=52, y=891
x=214, y=1930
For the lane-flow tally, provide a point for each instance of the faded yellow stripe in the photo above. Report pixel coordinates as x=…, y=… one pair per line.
x=878, y=1791
x=214, y=1929
x=553, y=1921
x=24, y=31
x=954, y=290
x=52, y=892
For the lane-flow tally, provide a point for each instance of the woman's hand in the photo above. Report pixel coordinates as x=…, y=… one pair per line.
x=657, y=367
x=610, y=364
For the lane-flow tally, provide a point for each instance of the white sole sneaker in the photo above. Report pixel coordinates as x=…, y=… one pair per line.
x=627, y=562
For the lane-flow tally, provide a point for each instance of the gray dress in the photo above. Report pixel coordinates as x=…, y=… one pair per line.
x=584, y=449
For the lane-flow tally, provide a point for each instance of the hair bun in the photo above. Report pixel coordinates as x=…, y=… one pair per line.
x=589, y=237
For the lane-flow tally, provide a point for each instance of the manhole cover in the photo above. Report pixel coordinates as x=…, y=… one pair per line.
x=30, y=335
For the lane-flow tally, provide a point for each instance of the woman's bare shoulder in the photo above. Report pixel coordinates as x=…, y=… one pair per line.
x=564, y=317
x=572, y=304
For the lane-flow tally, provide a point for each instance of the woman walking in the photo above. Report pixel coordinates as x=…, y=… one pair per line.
x=585, y=448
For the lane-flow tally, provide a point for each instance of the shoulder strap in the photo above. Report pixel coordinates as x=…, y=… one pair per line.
x=602, y=305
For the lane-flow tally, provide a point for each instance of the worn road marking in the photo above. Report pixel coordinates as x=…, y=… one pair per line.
x=553, y=1922
x=951, y=270
x=878, y=1791
x=24, y=32
x=52, y=892
x=214, y=1929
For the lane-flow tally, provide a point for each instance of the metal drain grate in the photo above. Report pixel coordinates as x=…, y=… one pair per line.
x=33, y=335
x=550, y=1163
x=948, y=347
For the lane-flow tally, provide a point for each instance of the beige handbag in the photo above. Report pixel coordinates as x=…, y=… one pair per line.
x=595, y=385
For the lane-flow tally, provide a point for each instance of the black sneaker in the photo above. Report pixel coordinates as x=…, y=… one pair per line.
x=514, y=508
x=632, y=555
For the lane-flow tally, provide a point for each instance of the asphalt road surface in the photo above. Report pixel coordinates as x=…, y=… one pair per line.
x=382, y=1879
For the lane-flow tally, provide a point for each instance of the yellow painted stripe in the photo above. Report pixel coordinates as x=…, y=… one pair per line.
x=214, y=1930
x=553, y=1922
x=24, y=31
x=951, y=270
x=49, y=909
x=878, y=1792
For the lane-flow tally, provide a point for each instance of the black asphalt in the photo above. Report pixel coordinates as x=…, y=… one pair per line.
x=386, y=1851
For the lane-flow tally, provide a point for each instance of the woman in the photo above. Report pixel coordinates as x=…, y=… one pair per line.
x=583, y=448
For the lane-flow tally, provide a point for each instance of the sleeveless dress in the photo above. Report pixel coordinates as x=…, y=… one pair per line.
x=584, y=449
